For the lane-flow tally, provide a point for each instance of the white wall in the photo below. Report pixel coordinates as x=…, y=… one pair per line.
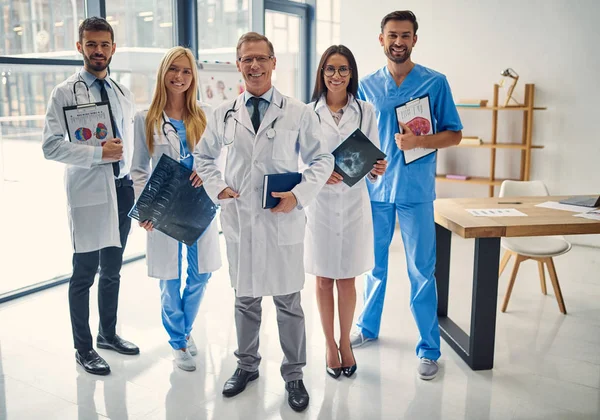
x=552, y=43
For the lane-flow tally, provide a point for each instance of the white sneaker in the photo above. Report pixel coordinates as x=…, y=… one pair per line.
x=184, y=360
x=427, y=369
x=191, y=346
x=357, y=339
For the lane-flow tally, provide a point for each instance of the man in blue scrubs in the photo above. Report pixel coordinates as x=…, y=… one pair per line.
x=406, y=190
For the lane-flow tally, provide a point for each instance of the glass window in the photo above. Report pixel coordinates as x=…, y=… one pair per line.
x=328, y=25
x=41, y=28
x=32, y=190
x=144, y=31
x=220, y=24
x=283, y=30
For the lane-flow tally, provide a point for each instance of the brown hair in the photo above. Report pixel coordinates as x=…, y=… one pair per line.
x=253, y=37
x=320, y=87
x=401, y=15
x=96, y=24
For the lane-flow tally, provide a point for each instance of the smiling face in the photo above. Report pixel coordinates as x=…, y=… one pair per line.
x=97, y=49
x=398, y=39
x=179, y=76
x=337, y=73
x=256, y=65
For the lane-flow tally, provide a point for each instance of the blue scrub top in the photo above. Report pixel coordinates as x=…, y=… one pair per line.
x=413, y=183
x=179, y=125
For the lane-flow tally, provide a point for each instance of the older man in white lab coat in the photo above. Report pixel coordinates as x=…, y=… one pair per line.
x=99, y=194
x=264, y=132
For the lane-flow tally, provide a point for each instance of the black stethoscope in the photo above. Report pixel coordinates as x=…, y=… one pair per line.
x=360, y=112
x=87, y=88
x=270, y=131
x=168, y=130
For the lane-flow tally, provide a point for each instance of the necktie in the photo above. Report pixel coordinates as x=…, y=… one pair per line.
x=255, y=113
x=104, y=98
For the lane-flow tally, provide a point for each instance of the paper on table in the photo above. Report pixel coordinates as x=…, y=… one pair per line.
x=495, y=212
x=566, y=207
x=593, y=215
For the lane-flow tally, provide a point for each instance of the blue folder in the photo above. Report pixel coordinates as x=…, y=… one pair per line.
x=278, y=183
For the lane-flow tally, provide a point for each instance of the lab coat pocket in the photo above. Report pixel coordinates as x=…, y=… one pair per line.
x=229, y=221
x=285, y=145
x=290, y=227
x=87, y=187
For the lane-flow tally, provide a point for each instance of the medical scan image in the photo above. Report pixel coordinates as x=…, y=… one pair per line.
x=350, y=162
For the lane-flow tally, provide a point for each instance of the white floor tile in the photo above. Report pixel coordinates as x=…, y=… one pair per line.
x=547, y=365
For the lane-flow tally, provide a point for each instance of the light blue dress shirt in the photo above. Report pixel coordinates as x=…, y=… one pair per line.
x=262, y=105
x=93, y=84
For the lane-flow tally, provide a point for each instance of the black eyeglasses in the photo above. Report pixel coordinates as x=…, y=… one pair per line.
x=329, y=71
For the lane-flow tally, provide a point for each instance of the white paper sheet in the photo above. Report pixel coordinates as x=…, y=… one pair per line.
x=565, y=207
x=496, y=212
x=593, y=215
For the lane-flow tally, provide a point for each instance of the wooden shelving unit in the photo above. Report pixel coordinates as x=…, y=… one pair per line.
x=524, y=146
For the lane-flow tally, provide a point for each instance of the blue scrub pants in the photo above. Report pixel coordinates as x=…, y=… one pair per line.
x=179, y=310
x=417, y=227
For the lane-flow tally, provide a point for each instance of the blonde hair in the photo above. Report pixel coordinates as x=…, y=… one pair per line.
x=193, y=116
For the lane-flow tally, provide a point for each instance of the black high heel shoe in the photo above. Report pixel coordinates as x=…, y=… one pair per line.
x=348, y=371
x=333, y=372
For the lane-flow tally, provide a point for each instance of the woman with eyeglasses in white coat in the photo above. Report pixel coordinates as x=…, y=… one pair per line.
x=339, y=234
x=173, y=125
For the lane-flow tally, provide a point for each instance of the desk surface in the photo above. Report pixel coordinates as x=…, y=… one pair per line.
x=451, y=214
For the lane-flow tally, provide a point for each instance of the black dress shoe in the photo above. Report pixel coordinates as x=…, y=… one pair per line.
x=333, y=372
x=350, y=370
x=92, y=362
x=117, y=344
x=298, y=395
x=237, y=383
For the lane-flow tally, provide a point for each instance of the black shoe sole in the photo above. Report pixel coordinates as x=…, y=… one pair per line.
x=102, y=373
x=251, y=378
x=109, y=347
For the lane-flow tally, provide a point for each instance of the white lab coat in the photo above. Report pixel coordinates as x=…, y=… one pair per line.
x=91, y=192
x=265, y=250
x=339, y=234
x=162, y=251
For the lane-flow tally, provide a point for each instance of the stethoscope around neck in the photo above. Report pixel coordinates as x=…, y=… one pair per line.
x=270, y=131
x=87, y=88
x=360, y=113
x=169, y=130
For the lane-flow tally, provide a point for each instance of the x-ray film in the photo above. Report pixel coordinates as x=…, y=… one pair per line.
x=172, y=204
x=355, y=157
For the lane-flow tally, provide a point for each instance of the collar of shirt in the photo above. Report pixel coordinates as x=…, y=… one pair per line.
x=267, y=96
x=352, y=103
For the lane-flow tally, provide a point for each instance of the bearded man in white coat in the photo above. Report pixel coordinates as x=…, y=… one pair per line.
x=99, y=192
x=263, y=133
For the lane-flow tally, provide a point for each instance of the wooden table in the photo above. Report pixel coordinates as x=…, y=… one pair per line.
x=477, y=348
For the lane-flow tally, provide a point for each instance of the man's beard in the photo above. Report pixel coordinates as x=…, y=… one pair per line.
x=397, y=60
x=94, y=67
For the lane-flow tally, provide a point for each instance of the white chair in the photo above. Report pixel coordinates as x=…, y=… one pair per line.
x=539, y=248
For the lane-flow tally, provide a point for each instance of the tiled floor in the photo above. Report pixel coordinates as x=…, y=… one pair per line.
x=547, y=365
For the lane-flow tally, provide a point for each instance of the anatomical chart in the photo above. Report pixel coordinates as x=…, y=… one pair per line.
x=89, y=124
x=416, y=114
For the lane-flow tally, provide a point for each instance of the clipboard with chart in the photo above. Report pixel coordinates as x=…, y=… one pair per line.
x=416, y=114
x=89, y=124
